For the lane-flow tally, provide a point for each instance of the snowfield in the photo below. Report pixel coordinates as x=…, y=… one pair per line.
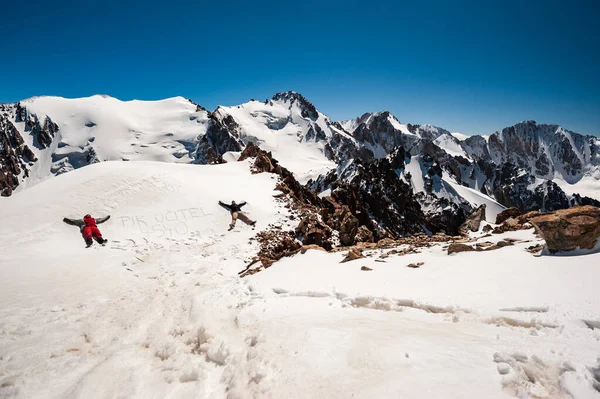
x=161, y=312
x=165, y=131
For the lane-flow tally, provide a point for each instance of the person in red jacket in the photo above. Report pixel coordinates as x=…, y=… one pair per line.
x=89, y=229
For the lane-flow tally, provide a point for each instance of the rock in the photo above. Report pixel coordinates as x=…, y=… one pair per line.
x=569, y=229
x=503, y=368
x=363, y=235
x=458, y=247
x=487, y=228
x=221, y=136
x=511, y=224
x=500, y=244
x=314, y=231
x=274, y=245
x=474, y=220
x=366, y=269
x=340, y=218
x=507, y=213
x=353, y=254
x=534, y=249
x=311, y=246
x=525, y=217
x=415, y=265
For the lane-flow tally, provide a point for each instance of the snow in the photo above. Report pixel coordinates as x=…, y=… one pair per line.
x=399, y=126
x=278, y=128
x=161, y=312
x=449, y=144
x=460, y=136
x=588, y=186
x=416, y=172
x=454, y=319
x=476, y=198
x=350, y=125
x=164, y=130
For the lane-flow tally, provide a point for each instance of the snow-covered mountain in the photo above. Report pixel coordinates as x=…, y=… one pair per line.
x=447, y=172
x=517, y=165
x=59, y=135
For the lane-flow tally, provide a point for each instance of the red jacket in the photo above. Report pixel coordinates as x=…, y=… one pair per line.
x=89, y=221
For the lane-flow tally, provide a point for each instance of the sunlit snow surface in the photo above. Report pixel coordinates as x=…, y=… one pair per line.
x=161, y=312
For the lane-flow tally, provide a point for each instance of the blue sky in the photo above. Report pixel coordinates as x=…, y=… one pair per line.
x=467, y=66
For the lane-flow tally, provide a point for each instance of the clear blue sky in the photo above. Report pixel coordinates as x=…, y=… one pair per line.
x=467, y=66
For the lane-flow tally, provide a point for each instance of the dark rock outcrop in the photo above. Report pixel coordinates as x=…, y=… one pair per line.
x=222, y=135
x=507, y=214
x=363, y=235
x=474, y=220
x=15, y=155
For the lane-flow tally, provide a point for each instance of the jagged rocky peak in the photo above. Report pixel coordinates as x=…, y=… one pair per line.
x=308, y=110
x=222, y=135
x=367, y=118
x=15, y=156
x=547, y=150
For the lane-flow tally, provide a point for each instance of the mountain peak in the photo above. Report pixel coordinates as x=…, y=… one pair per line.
x=292, y=97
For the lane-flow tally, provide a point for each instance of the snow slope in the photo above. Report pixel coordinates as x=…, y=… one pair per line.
x=160, y=311
x=72, y=318
x=476, y=198
x=460, y=326
x=165, y=130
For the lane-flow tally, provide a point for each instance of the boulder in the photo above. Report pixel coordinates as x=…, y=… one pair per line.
x=474, y=220
x=458, y=247
x=506, y=214
x=353, y=254
x=569, y=229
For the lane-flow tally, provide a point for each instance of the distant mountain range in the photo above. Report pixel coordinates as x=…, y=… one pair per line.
x=530, y=166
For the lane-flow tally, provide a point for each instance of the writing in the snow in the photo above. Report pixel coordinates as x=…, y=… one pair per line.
x=165, y=224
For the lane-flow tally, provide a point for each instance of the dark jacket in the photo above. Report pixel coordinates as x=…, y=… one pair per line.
x=232, y=208
x=81, y=223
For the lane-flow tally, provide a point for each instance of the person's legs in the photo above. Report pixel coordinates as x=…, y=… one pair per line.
x=97, y=235
x=234, y=216
x=242, y=216
x=87, y=235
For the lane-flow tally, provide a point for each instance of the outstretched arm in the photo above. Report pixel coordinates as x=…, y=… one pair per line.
x=102, y=220
x=74, y=222
x=242, y=204
x=225, y=206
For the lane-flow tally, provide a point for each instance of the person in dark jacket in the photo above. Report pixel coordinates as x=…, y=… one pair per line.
x=89, y=229
x=236, y=212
